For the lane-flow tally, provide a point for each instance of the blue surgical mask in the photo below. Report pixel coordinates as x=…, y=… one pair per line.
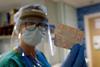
x=32, y=37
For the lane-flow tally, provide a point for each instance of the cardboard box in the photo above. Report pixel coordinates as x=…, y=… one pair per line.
x=66, y=36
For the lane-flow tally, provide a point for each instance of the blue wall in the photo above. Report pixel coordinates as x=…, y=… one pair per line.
x=85, y=11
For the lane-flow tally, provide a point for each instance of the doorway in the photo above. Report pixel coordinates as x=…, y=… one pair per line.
x=92, y=30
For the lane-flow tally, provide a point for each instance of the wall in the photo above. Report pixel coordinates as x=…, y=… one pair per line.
x=52, y=12
x=67, y=14
x=70, y=16
x=4, y=45
x=81, y=12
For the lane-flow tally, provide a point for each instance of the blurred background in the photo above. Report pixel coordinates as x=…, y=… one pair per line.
x=80, y=14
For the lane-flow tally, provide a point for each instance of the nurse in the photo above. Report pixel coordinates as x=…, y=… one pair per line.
x=30, y=27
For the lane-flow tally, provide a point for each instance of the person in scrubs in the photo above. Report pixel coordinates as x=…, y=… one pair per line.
x=30, y=27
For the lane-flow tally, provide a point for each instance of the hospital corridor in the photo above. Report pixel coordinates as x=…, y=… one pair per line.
x=49, y=33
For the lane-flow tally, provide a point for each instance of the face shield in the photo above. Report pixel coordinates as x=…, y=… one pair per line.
x=51, y=37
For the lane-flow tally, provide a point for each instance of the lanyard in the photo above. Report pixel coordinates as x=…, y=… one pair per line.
x=36, y=62
x=29, y=62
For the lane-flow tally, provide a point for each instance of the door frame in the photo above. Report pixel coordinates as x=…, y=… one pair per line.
x=87, y=33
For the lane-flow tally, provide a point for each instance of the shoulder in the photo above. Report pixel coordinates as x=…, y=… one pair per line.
x=5, y=59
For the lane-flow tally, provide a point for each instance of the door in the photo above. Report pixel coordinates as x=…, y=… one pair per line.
x=92, y=30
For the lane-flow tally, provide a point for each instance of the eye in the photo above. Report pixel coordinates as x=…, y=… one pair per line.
x=38, y=25
x=41, y=25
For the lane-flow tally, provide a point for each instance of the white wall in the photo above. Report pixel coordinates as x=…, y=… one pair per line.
x=67, y=14
x=70, y=16
x=52, y=12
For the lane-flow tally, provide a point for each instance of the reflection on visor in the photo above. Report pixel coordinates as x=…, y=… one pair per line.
x=50, y=27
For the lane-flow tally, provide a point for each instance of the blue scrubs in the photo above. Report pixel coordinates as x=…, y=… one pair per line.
x=76, y=57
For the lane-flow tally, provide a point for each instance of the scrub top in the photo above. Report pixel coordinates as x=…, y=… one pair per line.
x=18, y=59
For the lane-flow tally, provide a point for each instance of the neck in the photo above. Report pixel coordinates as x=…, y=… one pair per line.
x=28, y=50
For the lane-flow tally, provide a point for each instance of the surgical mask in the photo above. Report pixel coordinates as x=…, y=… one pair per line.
x=32, y=37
